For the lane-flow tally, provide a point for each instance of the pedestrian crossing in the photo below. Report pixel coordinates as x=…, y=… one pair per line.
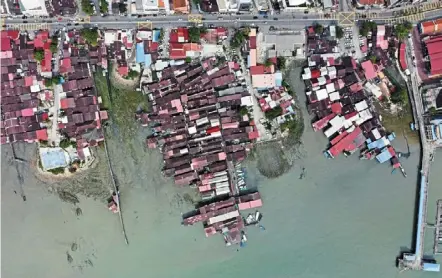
x=85, y=19
x=144, y=25
x=29, y=26
x=195, y=18
x=410, y=18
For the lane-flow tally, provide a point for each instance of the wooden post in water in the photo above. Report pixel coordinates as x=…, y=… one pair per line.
x=120, y=213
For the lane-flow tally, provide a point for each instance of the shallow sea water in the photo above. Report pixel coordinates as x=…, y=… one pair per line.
x=347, y=218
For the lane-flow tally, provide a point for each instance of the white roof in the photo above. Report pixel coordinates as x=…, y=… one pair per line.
x=376, y=133
x=35, y=88
x=322, y=80
x=321, y=94
x=296, y=2
x=144, y=35
x=110, y=37
x=330, y=88
x=246, y=101
x=33, y=4
x=334, y=96
x=362, y=105
x=330, y=131
x=337, y=121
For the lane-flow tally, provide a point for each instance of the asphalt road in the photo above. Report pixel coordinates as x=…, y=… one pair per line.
x=294, y=19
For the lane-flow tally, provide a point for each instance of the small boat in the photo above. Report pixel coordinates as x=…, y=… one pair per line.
x=262, y=228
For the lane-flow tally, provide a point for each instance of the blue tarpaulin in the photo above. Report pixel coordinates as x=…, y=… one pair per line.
x=156, y=35
x=384, y=156
x=431, y=267
x=147, y=60
x=278, y=79
x=140, y=52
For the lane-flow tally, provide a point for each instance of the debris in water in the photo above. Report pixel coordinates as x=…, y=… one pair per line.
x=68, y=197
x=302, y=174
x=69, y=257
x=89, y=262
x=78, y=211
x=74, y=247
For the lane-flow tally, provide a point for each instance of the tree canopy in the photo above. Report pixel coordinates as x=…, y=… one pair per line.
x=339, y=32
x=366, y=27
x=122, y=8
x=399, y=97
x=195, y=33
x=132, y=74
x=319, y=29
x=239, y=37
x=268, y=63
x=90, y=35
x=87, y=7
x=273, y=113
x=54, y=44
x=280, y=62
x=402, y=30
x=104, y=7
x=39, y=55
x=49, y=82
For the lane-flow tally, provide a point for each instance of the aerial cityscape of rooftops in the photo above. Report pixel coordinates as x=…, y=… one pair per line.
x=213, y=77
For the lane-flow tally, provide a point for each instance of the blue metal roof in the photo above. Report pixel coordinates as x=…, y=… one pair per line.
x=147, y=60
x=431, y=267
x=140, y=52
x=384, y=156
x=156, y=35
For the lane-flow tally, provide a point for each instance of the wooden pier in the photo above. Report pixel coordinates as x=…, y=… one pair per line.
x=438, y=228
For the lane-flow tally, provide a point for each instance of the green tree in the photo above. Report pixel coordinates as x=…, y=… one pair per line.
x=132, y=74
x=39, y=55
x=402, y=30
x=319, y=29
x=194, y=34
x=188, y=59
x=239, y=37
x=54, y=44
x=399, y=97
x=65, y=143
x=373, y=59
x=366, y=26
x=273, y=113
x=87, y=7
x=243, y=111
x=268, y=63
x=339, y=32
x=90, y=35
x=122, y=8
x=280, y=62
x=432, y=110
x=104, y=6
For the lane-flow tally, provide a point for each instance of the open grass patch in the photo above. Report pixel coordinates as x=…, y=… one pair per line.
x=400, y=122
x=122, y=103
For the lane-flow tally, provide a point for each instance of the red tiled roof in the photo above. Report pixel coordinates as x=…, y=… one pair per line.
x=41, y=40
x=252, y=42
x=28, y=81
x=371, y=2
x=65, y=65
x=260, y=69
x=369, y=70
x=123, y=70
x=46, y=64
x=42, y=134
x=12, y=34
x=67, y=103
x=177, y=54
x=402, y=60
x=5, y=44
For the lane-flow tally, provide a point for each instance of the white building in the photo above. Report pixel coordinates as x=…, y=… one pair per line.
x=33, y=7
x=225, y=6
x=141, y=7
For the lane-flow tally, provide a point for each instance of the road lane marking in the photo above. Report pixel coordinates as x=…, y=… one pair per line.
x=195, y=18
x=144, y=25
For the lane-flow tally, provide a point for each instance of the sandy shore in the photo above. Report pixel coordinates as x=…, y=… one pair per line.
x=346, y=218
